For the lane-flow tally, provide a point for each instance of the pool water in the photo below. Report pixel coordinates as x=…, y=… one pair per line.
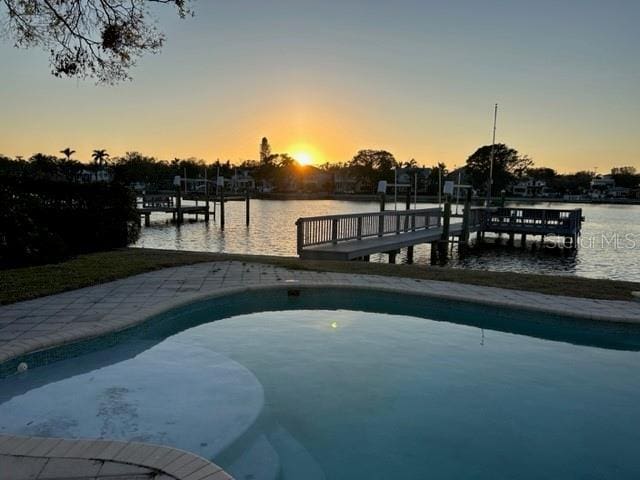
x=426, y=389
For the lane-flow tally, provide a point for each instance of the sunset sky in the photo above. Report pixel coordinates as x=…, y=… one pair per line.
x=418, y=78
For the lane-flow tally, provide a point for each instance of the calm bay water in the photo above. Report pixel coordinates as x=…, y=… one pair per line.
x=610, y=243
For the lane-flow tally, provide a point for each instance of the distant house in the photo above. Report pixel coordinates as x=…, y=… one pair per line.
x=604, y=186
x=603, y=182
x=618, y=192
x=530, y=187
x=242, y=181
x=93, y=176
x=412, y=175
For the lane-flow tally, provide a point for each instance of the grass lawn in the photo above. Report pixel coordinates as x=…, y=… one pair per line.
x=30, y=282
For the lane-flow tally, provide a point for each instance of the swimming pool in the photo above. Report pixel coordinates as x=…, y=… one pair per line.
x=341, y=383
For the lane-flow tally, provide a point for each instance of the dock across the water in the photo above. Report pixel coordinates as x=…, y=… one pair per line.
x=172, y=202
x=359, y=235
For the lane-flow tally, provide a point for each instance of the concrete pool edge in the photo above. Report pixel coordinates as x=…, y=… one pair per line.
x=88, y=458
x=579, y=308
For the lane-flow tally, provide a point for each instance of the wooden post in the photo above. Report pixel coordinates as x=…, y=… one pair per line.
x=334, y=231
x=180, y=217
x=359, y=229
x=299, y=237
x=466, y=220
x=410, y=254
x=222, y=208
x=434, y=253
x=392, y=256
x=512, y=236
x=147, y=219
x=407, y=206
x=523, y=240
x=446, y=221
x=247, y=200
x=206, y=196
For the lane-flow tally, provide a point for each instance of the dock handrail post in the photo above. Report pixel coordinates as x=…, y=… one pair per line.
x=222, y=208
x=334, y=231
x=381, y=216
x=299, y=236
x=444, y=239
x=397, y=224
x=206, y=196
x=359, y=228
x=466, y=219
x=247, y=200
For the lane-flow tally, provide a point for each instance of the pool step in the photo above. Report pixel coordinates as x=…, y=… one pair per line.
x=259, y=462
x=267, y=451
x=295, y=460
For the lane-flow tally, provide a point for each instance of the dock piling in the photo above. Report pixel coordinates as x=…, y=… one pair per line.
x=179, y=214
x=247, y=206
x=206, y=197
x=222, y=208
x=410, y=254
x=446, y=222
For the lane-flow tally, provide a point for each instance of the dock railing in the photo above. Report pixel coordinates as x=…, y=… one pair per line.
x=162, y=200
x=331, y=229
x=532, y=220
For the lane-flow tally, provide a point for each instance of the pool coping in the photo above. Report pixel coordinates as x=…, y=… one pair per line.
x=47, y=341
x=167, y=462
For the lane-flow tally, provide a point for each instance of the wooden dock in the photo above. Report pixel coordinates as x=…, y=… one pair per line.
x=357, y=236
x=171, y=202
x=534, y=221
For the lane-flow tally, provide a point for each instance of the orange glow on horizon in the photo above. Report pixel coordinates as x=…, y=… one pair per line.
x=305, y=154
x=303, y=158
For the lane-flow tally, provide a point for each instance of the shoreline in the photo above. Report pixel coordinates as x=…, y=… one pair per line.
x=26, y=283
x=432, y=198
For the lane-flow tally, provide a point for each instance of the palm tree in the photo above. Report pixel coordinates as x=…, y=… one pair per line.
x=67, y=152
x=100, y=157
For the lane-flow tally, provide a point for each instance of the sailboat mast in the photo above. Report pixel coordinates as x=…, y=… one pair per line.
x=493, y=144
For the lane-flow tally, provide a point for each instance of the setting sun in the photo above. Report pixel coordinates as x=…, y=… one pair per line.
x=303, y=158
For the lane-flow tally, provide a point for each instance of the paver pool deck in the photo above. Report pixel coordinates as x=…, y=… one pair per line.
x=88, y=312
